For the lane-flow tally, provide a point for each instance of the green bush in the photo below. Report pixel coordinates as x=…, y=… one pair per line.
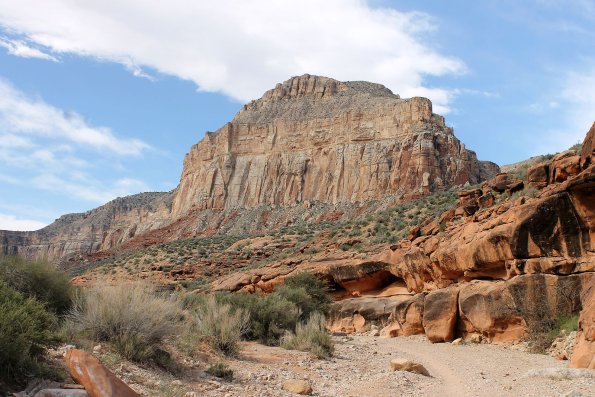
x=221, y=325
x=307, y=292
x=310, y=336
x=27, y=328
x=40, y=280
x=272, y=315
x=131, y=317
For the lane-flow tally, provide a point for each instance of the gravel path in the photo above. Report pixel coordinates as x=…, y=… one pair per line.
x=361, y=368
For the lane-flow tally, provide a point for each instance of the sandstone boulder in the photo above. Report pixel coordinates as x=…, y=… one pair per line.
x=538, y=176
x=564, y=166
x=297, y=386
x=440, y=314
x=504, y=311
x=588, y=148
x=95, y=377
x=503, y=182
x=401, y=364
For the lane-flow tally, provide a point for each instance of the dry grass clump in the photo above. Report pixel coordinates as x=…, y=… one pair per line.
x=221, y=325
x=310, y=336
x=131, y=317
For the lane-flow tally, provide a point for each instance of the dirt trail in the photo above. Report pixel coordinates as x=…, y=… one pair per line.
x=450, y=382
x=360, y=368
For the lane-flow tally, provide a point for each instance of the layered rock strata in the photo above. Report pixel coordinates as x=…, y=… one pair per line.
x=100, y=229
x=317, y=139
x=310, y=139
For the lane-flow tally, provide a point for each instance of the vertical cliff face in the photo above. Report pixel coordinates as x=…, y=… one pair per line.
x=317, y=139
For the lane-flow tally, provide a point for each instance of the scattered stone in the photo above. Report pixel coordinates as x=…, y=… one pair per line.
x=475, y=338
x=561, y=373
x=561, y=348
x=297, y=386
x=401, y=364
x=572, y=393
x=97, y=349
x=457, y=342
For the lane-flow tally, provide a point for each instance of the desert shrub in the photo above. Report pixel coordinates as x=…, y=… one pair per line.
x=543, y=335
x=131, y=317
x=222, y=325
x=567, y=323
x=307, y=292
x=220, y=370
x=40, y=280
x=270, y=315
x=310, y=336
x=27, y=328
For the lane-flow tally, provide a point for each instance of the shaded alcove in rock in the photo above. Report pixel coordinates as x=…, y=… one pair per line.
x=381, y=283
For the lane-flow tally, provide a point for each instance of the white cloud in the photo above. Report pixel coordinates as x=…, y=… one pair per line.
x=88, y=189
x=21, y=49
x=21, y=116
x=9, y=222
x=575, y=105
x=45, y=149
x=243, y=47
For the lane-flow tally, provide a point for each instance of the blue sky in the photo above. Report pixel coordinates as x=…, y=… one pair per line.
x=103, y=99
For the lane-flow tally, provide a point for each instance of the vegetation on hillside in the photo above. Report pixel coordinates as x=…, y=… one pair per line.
x=211, y=257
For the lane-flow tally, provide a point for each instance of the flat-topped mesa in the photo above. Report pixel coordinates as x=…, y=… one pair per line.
x=317, y=139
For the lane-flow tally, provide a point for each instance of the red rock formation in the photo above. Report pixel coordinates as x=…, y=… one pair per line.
x=538, y=176
x=588, y=148
x=496, y=271
x=583, y=355
x=440, y=314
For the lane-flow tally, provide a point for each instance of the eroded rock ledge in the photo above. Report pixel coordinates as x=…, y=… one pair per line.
x=483, y=269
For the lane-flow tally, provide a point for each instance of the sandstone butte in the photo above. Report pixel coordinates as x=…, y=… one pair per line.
x=310, y=139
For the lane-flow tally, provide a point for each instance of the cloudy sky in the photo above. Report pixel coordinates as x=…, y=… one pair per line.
x=100, y=99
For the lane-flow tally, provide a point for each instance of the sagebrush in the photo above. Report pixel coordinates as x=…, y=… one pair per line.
x=27, y=329
x=133, y=318
x=40, y=280
x=221, y=325
x=310, y=336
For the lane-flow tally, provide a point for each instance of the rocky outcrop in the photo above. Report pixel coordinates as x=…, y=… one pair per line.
x=495, y=267
x=317, y=139
x=100, y=229
x=583, y=355
x=588, y=148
